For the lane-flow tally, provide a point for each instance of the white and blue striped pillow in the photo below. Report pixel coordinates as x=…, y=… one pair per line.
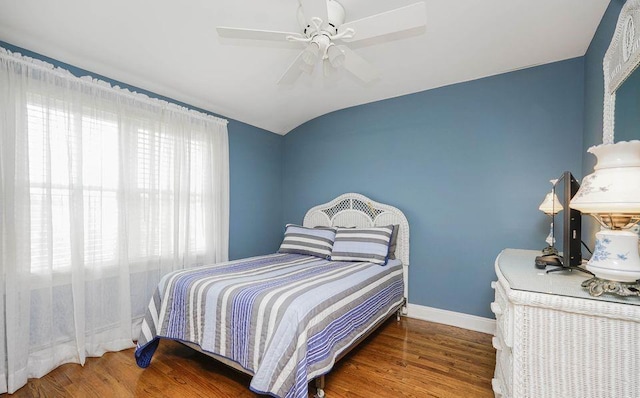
x=310, y=241
x=362, y=244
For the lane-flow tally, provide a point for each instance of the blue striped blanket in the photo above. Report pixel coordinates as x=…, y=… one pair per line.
x=284, y=318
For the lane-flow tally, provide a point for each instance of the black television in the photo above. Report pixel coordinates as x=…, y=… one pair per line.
x=569, y=221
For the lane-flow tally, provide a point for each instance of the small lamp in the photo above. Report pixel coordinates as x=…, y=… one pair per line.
x=551, y=206
x=612, y=196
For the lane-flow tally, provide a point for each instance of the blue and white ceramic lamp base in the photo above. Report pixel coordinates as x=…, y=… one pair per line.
x=616, y=256
x=615, y=263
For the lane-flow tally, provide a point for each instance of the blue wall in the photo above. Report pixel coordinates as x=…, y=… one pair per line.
x=255, y=175
x=469, y=165
x=255, y=162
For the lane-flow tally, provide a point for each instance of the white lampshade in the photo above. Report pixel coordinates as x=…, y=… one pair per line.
x=551, y=204
x=311, y=53
x=612, y=195
x=336, y=56
x=614, y=186
x=306, y=68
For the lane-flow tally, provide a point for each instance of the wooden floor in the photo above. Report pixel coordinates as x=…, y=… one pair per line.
x=410, y=358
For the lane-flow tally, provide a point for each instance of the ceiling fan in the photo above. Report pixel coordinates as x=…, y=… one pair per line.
x=322, y=24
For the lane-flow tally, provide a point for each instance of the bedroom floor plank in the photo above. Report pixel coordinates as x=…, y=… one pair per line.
x=410, y=358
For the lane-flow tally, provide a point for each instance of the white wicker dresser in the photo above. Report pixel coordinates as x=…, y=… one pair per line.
x=554, y=340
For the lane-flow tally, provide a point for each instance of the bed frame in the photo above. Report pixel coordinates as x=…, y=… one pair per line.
x=351, y=210
x=355, y=210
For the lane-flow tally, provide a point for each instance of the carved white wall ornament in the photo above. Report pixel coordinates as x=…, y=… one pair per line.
x=621, y=59
x=628, y=38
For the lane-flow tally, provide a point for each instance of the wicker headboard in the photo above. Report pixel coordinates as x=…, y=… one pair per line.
x=355, y=210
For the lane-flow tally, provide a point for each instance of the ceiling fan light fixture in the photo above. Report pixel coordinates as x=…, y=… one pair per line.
x=323, y=31
x=306, y=68
x=336, y=56
x=311, y=53
x=328, y=69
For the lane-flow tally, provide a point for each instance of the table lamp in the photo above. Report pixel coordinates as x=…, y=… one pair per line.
x=551, y=206
x=611, y=194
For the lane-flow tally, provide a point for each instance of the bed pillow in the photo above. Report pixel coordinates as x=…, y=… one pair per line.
x=310, y=241
x=393, y=243
x=362, y=244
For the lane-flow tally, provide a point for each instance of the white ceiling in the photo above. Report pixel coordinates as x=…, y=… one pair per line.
x=172, y=48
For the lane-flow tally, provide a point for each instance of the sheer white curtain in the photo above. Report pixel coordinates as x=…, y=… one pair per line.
x=102, y=191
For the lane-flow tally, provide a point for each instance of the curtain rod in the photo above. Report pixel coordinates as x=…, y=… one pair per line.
x=104, y=85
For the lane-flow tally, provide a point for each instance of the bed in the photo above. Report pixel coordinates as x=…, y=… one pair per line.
x=286, y=318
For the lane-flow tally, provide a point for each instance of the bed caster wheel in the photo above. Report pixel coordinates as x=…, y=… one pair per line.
x=319, y=393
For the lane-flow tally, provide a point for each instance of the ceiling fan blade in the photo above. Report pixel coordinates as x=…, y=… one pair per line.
x=254, y=34
x=358, y=66
x=315, y=8
x=293, y=71
x=400, y=19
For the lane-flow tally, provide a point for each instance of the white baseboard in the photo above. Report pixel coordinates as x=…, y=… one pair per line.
x=458, y=319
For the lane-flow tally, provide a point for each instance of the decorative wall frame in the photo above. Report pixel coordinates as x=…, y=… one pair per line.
x=621, y=59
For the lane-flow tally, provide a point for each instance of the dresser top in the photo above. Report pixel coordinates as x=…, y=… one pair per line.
x=517, y=267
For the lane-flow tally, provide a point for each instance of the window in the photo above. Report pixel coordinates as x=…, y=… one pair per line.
x=74, y=163
x=57, y=184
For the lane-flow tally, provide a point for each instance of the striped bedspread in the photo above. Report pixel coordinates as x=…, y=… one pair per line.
x=282, y=317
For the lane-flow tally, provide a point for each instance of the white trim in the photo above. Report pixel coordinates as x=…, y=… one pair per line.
x=458, y=319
